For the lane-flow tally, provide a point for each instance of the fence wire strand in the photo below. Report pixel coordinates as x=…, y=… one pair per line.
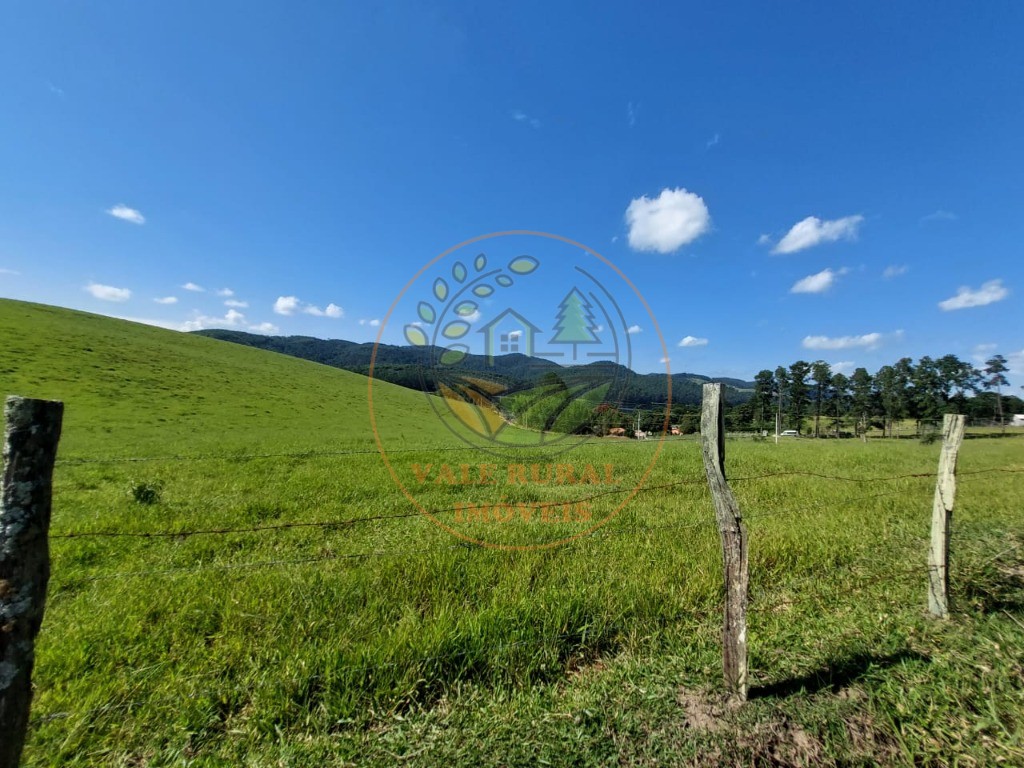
x=341, y=523
x=598, y=535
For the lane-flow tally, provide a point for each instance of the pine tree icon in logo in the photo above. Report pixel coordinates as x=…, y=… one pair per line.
x=575, y=322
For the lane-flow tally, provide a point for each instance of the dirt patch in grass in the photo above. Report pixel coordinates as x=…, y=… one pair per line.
x=705, y=712
x=719, y=732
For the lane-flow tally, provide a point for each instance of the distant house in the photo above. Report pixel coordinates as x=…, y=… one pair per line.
x=1017, y=420
x=508, y=333
x=675, y=431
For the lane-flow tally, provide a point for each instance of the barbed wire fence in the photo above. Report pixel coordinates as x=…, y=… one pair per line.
x=860, y=575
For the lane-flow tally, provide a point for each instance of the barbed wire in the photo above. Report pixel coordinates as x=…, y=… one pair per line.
x=341, y=523
x=328, y=453
x=891, y=478
x=597, y=535
x=316, y=453
x=600, y=534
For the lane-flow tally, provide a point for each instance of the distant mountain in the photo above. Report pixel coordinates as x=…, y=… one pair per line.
x=410, y=367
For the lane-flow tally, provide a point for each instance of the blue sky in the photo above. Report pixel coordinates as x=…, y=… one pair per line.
x=780, y=181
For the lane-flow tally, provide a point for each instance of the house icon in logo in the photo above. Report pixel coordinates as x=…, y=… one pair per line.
x=508, y=333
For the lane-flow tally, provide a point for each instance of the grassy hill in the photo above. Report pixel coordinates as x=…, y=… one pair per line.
x=136, y=390
x=279, y=602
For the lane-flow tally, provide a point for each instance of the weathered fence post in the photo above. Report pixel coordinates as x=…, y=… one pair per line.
x=30, y=447
x=734, y=543
x=942, y=512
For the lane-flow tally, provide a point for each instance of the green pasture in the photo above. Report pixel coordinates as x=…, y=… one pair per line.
x=374, y=636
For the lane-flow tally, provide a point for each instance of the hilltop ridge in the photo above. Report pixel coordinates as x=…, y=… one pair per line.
x=408, y=366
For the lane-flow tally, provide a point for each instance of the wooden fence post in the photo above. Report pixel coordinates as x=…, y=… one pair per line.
x=734, y=543
x=942, y=512
x=30, y=448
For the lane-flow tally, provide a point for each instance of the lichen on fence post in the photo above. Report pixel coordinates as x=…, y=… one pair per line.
x=734, y=543
x=30, y=448
x=942, y=513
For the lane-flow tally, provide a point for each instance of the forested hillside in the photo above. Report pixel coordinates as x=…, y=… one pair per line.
x=410, y=367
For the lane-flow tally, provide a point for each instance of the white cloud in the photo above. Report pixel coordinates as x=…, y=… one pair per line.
x=631, y=111
x=236, y=303
x=286, y=305
x=375, y=322
x=814, y=231
x=668, y=222
x=867, y=341
x=843, y=366
x=333, y=310
x=231, y=319
x=123, y=212
x=514, y=334
x=713, y=141
x=634, y=329
x=1015, y=362
x=817, y=283
x=200, y=322
x=108, y=292
x=9, y=272
x=193, y=287
x=289, y=305
x=167, y=300
x=692, y=341
x=895, y=270
x=981, y=352
x=521, y=117
x=764, y=240
x=939, y=215
x=664, y=360
x=966, y=297
x=226, y=292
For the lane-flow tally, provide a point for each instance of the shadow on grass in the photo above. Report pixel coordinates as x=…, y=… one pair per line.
x=835, y=676
x=997, y=589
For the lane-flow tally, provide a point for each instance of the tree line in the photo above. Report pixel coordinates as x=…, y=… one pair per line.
x=788, y=396
x=832, y=403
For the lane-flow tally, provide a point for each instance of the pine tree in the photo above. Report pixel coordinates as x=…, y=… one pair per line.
x=821, y=372
x=781, y=389
x=863, y=395
x=764, y=390
x=994, y=370
x=799, y=398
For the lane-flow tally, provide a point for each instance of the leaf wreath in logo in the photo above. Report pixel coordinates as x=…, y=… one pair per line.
x=468, y=386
